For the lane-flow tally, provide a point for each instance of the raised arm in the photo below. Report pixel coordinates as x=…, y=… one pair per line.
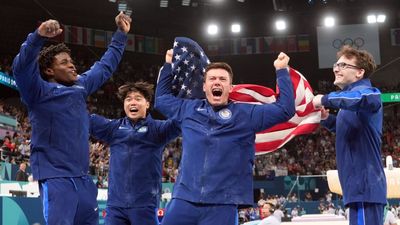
x=25, y=66
x=102, y=70
x=284, y=108
x=165, y=102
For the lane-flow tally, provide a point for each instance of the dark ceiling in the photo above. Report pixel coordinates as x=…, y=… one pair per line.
x=150, y=19
x=19, y=17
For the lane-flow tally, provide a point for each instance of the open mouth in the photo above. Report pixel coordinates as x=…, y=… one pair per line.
x=133, y=109
x=74, y=73
x=217, y=92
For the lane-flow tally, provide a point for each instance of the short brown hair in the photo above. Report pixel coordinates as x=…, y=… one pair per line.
x=364, y=59
x=47, y=54
x=143, y=88
x=219, y=65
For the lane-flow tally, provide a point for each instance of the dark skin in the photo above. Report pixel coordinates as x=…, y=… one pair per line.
x=63, y=70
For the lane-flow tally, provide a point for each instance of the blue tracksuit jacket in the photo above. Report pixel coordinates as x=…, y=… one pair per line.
x=58, y=114
x=218, y=144
x=135, y=161
x=358, y=128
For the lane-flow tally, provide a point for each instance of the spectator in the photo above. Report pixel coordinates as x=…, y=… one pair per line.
x=22, y=175
x=267, y=214
x=99, y=182
x=278, y=213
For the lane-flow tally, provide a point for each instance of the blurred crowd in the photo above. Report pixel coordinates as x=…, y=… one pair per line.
x=305, y=155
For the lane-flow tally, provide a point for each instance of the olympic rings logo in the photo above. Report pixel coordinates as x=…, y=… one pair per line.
x=356, y=43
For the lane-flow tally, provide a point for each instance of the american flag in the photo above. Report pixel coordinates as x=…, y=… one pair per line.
x=189, y=62
x=188, y=67
x=305, y=121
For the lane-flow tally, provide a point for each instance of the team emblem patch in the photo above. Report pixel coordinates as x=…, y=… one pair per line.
x=143, y=129
x=225, y=114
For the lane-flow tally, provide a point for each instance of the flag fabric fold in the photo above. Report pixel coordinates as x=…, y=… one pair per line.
x=189, y=62
x=305, y=121
x=188, y=66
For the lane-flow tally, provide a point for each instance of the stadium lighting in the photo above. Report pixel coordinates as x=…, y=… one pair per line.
x=186, y=2
x=163, y=3
x=212, y=29
x=329, y=21
x=381, y=18
x=235, y=28
x=280, y=25
x=371, y=19
x=122, y=6
x=128, y=11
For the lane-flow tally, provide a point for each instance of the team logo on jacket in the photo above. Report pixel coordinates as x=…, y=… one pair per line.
x=143, y=129
x=225, y=114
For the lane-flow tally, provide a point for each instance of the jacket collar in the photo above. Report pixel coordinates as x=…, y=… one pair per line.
x=140, y=122
x=362, y=82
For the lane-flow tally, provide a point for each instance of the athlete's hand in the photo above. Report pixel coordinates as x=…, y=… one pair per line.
x=168, y=56
x=317, y=101
x=282, y=61
x=324, y=113
x=123, y=22
x=49, y=29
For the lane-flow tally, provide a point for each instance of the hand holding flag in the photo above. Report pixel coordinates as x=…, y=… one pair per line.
x=189, y=62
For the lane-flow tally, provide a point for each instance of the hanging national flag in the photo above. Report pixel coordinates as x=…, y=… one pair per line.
x=76, y=35
x=130, y=43
x=99, y=38
x=149, y=45
x=67, y=34
x=188, y=66
x=291, y=43
x=87, y=36
x=395, y=36
x=280, y=44
x=109, y=35
x=303, y=43
x=139, y=43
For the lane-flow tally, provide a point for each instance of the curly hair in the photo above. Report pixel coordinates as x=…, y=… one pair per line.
x=364, y=59
x=47, y=54
x=143, y=88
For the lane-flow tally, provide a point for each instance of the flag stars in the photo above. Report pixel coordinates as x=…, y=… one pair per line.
x=186, y=62
x=192, y=67
x=175, y=43
x=189, y=92
x=177, y=57
x=184, y=49
x=178, y=69
x=183, y=87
